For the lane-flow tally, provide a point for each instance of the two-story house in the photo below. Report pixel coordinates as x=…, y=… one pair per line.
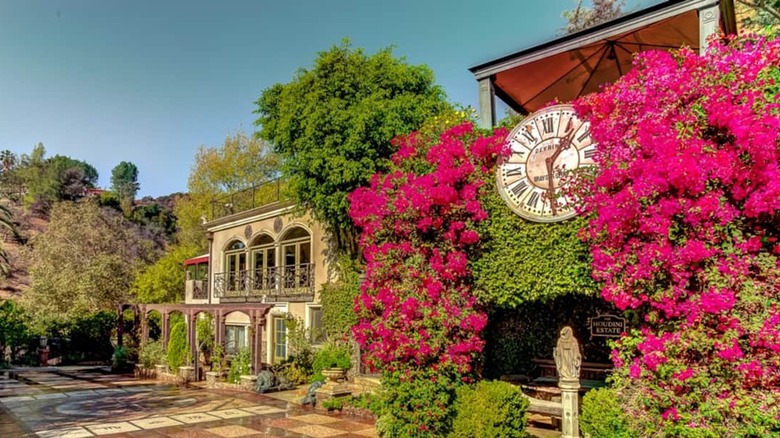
x=266, y=261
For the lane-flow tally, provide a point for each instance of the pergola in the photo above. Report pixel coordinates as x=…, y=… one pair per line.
x=256, y=312
x=580, y=63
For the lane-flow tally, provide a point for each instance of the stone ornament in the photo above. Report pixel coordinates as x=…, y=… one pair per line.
x=567, y=355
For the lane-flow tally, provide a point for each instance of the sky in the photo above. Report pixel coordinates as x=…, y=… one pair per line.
x=150, y=81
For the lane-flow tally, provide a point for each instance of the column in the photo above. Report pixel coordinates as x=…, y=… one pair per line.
x=709, y=19
x=165, y=327
x=487, y=103
x=258, y=355
x=120, y=326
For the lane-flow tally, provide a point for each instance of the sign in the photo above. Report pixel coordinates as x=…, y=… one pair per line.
x=608, y=326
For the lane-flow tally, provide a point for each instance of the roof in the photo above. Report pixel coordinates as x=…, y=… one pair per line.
x=578, y=64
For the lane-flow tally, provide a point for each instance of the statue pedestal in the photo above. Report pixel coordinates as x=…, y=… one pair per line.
x=570, y=392
x=330, y=390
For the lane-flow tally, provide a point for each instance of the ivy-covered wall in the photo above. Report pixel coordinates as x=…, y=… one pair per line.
x=526, y=262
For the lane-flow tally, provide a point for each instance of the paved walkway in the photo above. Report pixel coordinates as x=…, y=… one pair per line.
x=75, y=402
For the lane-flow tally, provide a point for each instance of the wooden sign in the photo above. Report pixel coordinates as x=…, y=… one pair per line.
x=608, y=326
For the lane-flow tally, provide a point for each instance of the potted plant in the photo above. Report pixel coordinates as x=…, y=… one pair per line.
x=332, y=361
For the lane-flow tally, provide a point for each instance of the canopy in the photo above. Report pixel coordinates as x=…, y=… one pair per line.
x=578, y=64
x=197, y=260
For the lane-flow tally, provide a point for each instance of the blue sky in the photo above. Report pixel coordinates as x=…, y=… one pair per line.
x=148, y=81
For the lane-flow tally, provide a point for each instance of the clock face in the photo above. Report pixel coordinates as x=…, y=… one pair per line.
x=545, y=146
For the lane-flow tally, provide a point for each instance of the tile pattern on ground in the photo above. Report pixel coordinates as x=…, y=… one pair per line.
x=93, y=404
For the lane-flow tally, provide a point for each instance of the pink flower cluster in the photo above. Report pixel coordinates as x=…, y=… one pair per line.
x=685, y=209
x=416, y=309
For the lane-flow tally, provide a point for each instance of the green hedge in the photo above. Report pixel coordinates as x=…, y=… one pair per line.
x=490, y=409
x=178, y=348
x=602, y=416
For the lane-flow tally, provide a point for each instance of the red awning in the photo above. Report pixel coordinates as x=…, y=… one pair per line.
x=197, y=260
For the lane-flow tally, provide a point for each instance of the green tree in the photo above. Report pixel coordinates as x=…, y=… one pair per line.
x=48, y=180
x=7, y=160
x=85, y=261
x=332, y=125
x=124, y=182
x=6, y=223
x=240, y=163
x=163, y=282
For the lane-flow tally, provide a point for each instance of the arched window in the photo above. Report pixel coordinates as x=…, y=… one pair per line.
x=298, y=272
x=262, y=255
x=235, y=266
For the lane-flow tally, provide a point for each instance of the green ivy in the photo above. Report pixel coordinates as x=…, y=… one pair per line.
x=338, y=300
x=240, y=366
x=523, y=261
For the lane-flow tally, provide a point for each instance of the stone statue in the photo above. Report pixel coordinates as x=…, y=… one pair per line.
x=266, y=381
x=567, y=355
x=311, y=396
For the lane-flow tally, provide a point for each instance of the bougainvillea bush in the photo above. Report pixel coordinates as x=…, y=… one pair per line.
x=684, y=228
x=419, y=322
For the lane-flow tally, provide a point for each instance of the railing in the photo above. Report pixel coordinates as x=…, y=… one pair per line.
x=196, y=290
x=271, y=283
x=247, y=199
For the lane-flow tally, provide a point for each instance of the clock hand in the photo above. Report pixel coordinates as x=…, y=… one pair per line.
x=550, y=161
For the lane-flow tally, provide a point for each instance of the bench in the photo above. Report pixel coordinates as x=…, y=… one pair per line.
x=588, y=370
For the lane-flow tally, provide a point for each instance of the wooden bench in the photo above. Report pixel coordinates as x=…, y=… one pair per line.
x=588, y=370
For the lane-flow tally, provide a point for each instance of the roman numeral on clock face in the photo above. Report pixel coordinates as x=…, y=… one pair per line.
x=584, y=135
x=517, y=171
x=528, y=135
x=547, y=125
x=520, y=188
x=589, y=153
x=533, y=200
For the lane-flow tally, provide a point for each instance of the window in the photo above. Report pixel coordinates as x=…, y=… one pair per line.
x=235, y=338
x=235, y=263
x=280, y=340
x=263, y=257
x=296, y=259
x=316, y=331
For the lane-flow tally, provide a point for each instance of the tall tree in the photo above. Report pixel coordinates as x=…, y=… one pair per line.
x=86, y=260
x=163, y=282
x=583, y=17
x=241, y=162
x=332, y=125
x=124, y=182
x=7, y=160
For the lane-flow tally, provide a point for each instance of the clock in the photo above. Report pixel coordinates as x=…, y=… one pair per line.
x=545, y=146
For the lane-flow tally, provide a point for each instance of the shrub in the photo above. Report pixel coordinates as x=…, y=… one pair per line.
x=332, y=355
x=119, y=359
x=417, y=403
x=240, y=365
x=603, y=417
x=490, y=410
x=178, y=348
x=151, y=354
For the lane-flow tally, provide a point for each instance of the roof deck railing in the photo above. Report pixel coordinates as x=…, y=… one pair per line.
x=256, y=196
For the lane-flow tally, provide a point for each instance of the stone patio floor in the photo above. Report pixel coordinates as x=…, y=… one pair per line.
x=76, y=402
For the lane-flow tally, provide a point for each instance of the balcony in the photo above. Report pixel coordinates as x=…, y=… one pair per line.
x=253, y=197
x=293, y=283
x=195, y=290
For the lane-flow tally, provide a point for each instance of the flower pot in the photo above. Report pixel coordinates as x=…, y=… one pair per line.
x=335, y=375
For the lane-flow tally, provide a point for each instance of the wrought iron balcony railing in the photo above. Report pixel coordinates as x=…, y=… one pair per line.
x=271, y=283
